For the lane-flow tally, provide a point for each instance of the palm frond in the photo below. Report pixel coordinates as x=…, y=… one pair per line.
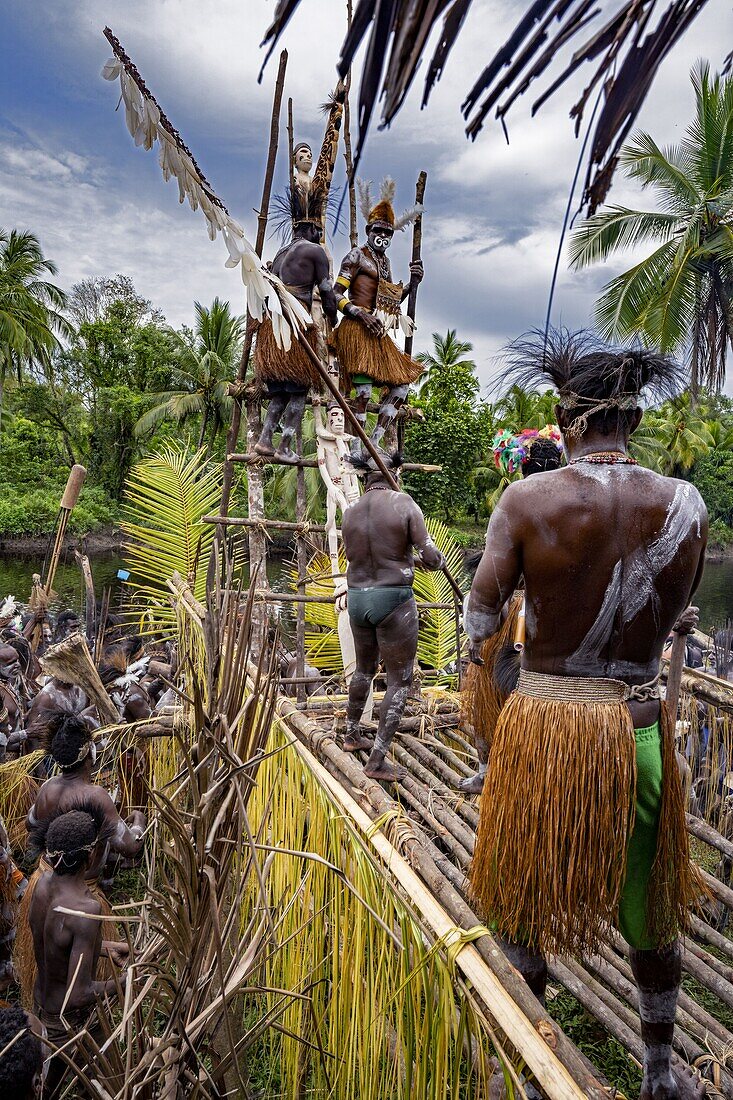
x=165, y=498
x=616, y=229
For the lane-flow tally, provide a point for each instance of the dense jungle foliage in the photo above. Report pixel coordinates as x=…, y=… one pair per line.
x=104, y=381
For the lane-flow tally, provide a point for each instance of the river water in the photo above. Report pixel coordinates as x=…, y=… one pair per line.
x=714, y=597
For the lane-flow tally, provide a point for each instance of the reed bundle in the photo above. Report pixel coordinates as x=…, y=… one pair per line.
x=71, y=662
x=18, y=787
x=391, y=1012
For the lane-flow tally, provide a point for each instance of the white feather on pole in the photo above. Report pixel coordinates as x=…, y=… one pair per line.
x=364, y=187
x=148, y=124
x=408, y=216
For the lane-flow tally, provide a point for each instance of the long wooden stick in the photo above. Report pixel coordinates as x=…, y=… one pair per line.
x=348, y=157
x=363, y=437
x=233, y=436
x=416, y=255
x=674, y=676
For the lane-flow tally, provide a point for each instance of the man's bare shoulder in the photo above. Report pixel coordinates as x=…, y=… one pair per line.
x=85, y=906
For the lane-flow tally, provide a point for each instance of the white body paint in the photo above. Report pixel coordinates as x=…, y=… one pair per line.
x=342, y=490
x=633, y=582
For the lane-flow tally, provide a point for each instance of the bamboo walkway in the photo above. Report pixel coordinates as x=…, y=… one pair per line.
x=423, y=832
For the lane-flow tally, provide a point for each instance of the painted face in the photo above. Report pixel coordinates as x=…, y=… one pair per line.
x=336, y=421
x=304, y=159
x=379, y=239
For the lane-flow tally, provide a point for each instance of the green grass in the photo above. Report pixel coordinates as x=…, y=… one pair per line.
x=609, y=1057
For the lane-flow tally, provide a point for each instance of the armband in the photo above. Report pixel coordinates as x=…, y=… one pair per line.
x=344, y=281
x=343, y=303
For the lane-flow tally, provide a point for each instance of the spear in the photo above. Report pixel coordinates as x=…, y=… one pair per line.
x=43, y=588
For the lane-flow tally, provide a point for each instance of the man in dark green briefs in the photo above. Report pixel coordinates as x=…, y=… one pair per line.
x=380, y=532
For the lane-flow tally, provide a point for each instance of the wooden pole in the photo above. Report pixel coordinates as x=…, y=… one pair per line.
x=412, y=300
x=233, y=435
x=302, y=557
x=363, y=437
x=90, y=601
x=348, y=157
x=674, y=676
x=416, y=255
x=291, y=142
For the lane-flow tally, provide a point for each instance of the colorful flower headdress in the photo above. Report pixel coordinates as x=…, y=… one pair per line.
x=510, y=450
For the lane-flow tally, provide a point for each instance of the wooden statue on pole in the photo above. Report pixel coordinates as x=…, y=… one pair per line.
x=286, y=374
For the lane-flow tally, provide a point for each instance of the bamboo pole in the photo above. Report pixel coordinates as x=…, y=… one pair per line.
x=256, y=540
x=446, y=885
x=538, y=1054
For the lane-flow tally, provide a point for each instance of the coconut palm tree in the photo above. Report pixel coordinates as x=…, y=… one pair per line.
x=448, y=352
x=206, y=365
x=679, y=297
x=682, y=434
x=30, y=307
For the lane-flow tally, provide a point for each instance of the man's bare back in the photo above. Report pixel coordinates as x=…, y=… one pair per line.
x=610, y=556
x=379, y=532
x=303, y=264
x=60, y=939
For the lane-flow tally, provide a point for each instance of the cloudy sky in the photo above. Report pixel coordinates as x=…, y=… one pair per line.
x=70, y=172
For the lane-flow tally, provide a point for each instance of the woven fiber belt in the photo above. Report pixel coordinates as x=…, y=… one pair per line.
x=584, y=689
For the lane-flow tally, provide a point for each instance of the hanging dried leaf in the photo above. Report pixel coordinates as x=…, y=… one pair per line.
x=626, y=60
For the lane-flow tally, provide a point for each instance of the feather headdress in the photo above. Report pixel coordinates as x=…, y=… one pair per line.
x=512, y=451
x=589, y=376
x=382, y=213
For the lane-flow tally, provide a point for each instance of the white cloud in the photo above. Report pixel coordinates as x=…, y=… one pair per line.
x=89, y=228
x=493, y=212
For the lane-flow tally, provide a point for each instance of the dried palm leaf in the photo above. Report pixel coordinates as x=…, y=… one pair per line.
x=625, y=56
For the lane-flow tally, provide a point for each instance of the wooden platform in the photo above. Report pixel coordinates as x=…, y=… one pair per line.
x=427, y=823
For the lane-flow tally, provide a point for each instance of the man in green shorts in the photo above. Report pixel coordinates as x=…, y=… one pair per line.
x=582, y=816
x=380, y=532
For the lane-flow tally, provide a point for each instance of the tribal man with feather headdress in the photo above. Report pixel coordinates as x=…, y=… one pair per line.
x=582, y=818
x=366, y=351
x=286, y=374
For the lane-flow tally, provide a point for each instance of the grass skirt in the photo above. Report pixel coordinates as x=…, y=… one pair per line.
x=557, y=811
x=273, y=364
x=360, y=352
x=24, y=956
x=18, y=791
x=484, y=694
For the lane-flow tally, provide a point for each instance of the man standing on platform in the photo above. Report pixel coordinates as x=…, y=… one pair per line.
x=380, y=532
x=582, y=817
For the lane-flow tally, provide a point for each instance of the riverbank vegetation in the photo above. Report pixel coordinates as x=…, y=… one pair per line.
x=125, y=384
x=97, y=376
